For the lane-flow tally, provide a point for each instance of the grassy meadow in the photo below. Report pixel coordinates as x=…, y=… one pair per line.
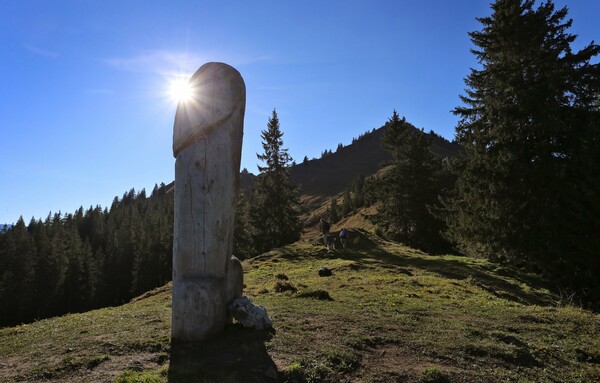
x=387, y=314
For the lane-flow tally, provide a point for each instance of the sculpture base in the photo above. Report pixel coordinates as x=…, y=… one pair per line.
x=200, y=303
x=199, y=308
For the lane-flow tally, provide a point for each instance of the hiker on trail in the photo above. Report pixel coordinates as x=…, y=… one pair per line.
x=325, y=231
x=344, y=237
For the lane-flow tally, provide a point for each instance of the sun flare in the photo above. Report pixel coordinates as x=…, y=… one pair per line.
x=180, y=90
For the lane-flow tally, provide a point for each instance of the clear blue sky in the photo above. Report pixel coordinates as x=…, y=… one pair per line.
x=84, y=112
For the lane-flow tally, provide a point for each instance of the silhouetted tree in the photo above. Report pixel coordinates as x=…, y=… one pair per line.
x=243, y=244
x=410, y=186
x=346, y=203
x=358, y=190
x=528, y=186
x=274, y=210
x=334, y=216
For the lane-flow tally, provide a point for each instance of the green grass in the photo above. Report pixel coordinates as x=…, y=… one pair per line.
x=131, y=376
x=388, y=313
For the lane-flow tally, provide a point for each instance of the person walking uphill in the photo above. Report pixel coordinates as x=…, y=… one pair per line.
x=325, y=231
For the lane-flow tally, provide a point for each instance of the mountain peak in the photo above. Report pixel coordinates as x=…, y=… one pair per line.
x=334, y=172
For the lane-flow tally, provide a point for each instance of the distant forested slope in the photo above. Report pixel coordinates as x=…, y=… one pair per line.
x=91, y=258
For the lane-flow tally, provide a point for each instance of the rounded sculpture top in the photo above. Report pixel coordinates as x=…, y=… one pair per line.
x=218, y=94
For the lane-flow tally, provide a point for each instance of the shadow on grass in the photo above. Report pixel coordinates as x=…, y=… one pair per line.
x=237, y=355
x=366, y=249
x=488, y=278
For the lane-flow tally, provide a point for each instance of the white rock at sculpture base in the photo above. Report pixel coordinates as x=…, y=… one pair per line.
x=249, y=314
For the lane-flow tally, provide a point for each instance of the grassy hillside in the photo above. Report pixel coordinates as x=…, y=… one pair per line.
x=388, y=313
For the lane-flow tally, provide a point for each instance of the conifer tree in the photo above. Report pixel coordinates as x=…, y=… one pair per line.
x=529, y=129
x=410, y=186
x=346, y=203
x=334, y=216
x=243, y=245
x=358, y=190
x=274, y=210
x=17, y=257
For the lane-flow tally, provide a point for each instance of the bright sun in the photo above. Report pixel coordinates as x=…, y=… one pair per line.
x=180, y=90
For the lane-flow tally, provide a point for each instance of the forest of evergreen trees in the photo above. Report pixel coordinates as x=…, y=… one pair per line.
x=88, y=259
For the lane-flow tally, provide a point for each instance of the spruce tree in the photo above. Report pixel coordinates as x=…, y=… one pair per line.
x=274, y=211
x=529, y=129
x=358, y=190
x=410, y=186
x=346, y=203
x=334, y=215
x=17, y=276
x=243, y=245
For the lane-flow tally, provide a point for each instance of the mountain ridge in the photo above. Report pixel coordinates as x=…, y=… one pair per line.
x=334, y=171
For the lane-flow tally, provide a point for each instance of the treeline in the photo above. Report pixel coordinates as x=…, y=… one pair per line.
x=88, y=259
